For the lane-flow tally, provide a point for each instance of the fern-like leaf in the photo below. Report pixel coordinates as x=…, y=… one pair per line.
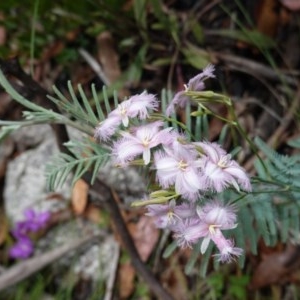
x=87, y=156
x=81, y=108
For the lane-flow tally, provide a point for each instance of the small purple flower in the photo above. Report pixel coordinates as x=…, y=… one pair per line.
x=22, y=249
x=143, y=139
x=21, y=229
x=36, y=221
x=135, y=106
x=33, y=222
x=195, y=84
x=220, y=171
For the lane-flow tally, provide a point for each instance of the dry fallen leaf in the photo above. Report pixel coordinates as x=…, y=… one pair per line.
x=79, y=197
x=126, y=280
x=291, y=4
x=109, y=60
x=3, y=34
x=175, y=279
x=276, y=267
x=267, y=17
x=145, y=236
x=93, y=214
x=3, y=227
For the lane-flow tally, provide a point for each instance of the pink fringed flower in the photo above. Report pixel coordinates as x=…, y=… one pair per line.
x=214, y=214
x=220, y=171
x=188, y=232
x=179, y=145
x=163, y=214
x=179, y=169
x=226, y=247
x=135, y=106
x=216, y=218
x=195, y=84
x=141, y=104
x=169, y=215
x=143, y=139
x=107, y=128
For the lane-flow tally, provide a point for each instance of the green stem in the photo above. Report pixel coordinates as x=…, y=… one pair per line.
x=167, y=119
x=153, y=201
x=243, y=133
x=32, y=34
x=23, y=101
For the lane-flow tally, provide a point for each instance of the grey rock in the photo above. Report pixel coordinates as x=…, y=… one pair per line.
x=25, y=182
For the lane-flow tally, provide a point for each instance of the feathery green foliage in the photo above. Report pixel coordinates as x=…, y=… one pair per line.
x=272, y=211
x=87, y=156
x=81, y=109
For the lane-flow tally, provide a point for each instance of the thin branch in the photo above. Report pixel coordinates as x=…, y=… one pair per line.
x=12, y=68
x=112, y=276
x=94, y=65
x=104, y=195
x=274, y=140
x=30, y=266
x=245, y=65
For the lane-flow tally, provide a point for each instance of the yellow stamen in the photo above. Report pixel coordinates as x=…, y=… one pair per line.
x=223, y=162
x=212, y=227
x=122, y=110
x=146, y=142
x=182, y=165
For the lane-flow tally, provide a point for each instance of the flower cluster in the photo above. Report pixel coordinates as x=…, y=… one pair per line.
x=33, y=222
x=191, y=170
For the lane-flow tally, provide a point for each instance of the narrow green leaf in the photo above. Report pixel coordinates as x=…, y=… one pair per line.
x=196, y=57
x=116, y=100
x=188, y=120
x=58, y=94
x=7, y=130
x=193, y=259
x=170, y=249
x=205, y=260
x=106, y=101
x=74, y=97
x=246, y=222
x=100, y=113
x=92, y=117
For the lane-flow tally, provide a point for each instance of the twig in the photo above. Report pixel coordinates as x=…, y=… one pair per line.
x=12, y=68
x=273, y=141
x=112, y=276
x=28, y=267
x=94, y=65
x=244, y=64
x=104, y=195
